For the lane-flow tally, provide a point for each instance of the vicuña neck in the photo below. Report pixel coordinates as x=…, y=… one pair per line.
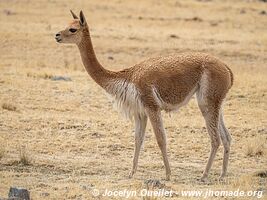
x=100, y=75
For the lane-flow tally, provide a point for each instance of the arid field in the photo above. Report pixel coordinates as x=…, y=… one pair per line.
x=62, y=139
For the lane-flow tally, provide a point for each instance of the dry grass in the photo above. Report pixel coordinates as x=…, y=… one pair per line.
x=9, y=106
x=39, y=75
x=79, y=142
x=2, y=152
x=24, y=156
x=256, y=146
x=2, y=148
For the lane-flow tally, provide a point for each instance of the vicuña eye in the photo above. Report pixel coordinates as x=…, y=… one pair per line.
x=73, y=30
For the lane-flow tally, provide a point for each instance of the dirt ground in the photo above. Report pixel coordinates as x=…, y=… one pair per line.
x=63, y=139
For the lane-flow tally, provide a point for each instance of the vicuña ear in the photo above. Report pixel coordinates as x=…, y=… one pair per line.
x=82, y=19
x=73, y=15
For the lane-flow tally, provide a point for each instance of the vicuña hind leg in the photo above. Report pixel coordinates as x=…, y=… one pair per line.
x=226, y=140
x=211, y=115
x=212, y=127
x=156, y=122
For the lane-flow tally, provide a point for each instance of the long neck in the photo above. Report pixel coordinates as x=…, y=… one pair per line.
x=100, y=75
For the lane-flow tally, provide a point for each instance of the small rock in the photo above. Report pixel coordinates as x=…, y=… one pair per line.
x=214, y=24
x=242, y=11
x=241, y=96
x=174, y=36
x=60, y=78
x=110, y=58
x=263, y=130
x=84, y=187
x=44, y=194
x=262, y=174
x=97, y=135
x=87, y=187
x=196, y=19
x=9, y=12
x=19, y=193
x=150, y=184
x=263, y=12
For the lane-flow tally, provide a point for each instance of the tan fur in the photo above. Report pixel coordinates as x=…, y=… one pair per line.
x=161, y=83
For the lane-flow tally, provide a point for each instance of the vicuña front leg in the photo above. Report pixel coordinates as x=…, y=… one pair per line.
x=140, y=127
x=156, y=122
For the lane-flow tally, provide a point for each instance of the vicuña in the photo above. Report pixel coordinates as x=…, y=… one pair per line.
x=161, y=83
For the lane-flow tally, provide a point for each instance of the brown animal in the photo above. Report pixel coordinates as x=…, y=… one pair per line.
x=161, y=83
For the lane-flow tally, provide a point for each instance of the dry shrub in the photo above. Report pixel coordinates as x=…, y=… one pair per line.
x=2, y=152
x=24, y=158
x=43, y=75
x=245, y=182
x=8, y=106
x=2, y=148
x=256, y=146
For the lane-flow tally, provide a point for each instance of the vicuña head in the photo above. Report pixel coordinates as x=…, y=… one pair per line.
x=74, y=32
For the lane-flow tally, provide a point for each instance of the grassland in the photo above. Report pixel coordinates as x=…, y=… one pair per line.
x=62, y=139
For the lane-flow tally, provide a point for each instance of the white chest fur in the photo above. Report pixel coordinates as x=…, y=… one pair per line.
x=126, y=98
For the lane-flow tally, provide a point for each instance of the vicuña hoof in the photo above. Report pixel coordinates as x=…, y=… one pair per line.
x=131, y=175
x=203, y=179
x=222, y=178
x=168, y=177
